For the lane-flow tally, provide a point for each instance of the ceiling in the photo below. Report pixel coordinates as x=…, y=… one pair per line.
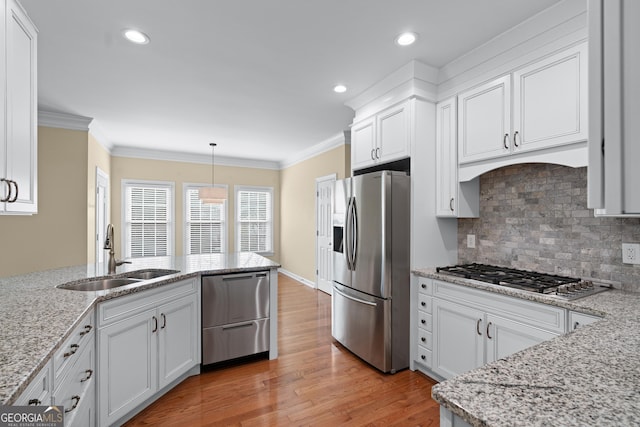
x=254, y=76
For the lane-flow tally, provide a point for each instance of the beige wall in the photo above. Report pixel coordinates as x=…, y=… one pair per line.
x=57, y=235
x=298, y=216
x=97, y=157
x=180, y=173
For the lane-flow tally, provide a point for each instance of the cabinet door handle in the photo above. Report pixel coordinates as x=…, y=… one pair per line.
x=505, y=141
x=76, y=400
x=89, y=373
x=8, y=182
x=74, y=348
x=378, y=153
x=34, y=402
x=488, y=326
x=87, y=329
x=155, y=324
x=515, y=142
x=373, y=154
x=164, y=321
x=451, y=204
x=15, y=196
x=478, y=326
x=576, y=325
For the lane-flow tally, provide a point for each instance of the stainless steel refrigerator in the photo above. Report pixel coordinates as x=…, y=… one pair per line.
x=371, y=277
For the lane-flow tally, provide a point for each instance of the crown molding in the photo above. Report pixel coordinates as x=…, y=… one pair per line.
x=63, y=120
x=176, y=156
x=100, y=136
x=319, y=148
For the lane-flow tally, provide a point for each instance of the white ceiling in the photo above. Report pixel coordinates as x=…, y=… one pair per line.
x=255, y=76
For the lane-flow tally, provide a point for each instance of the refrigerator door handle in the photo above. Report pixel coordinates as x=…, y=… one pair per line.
x=354, y=233
x=347, y=235
x=358, y=300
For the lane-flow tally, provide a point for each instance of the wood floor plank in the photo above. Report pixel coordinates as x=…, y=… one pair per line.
x=314, y=382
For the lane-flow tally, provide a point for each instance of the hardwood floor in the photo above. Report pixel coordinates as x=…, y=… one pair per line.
x=314, y=381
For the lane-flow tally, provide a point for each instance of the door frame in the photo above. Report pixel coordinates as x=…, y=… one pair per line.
x=320, y=180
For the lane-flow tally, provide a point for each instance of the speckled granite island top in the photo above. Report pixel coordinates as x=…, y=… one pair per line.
x=589, y=377
x=36, y=317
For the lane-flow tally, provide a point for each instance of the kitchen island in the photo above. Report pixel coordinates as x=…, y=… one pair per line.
x=587, y=377
x=37, y=317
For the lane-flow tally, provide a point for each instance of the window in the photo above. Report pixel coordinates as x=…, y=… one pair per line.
x=254, y=219
x=147, y=218
x=205, y=225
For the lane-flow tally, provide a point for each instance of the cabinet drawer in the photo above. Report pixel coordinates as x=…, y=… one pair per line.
x=235, y=340
x=68, y=353
x=424, y=303
x=38, y=392
x=425, y=339
x=425, y=321
x=425, y=286
x=578, y=320
x=125, y=307
x=76, y=390
x=424, y=356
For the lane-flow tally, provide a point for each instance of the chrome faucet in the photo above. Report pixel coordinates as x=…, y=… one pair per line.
x=108, y=244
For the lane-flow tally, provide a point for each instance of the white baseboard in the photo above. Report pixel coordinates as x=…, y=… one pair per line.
x=298, y=278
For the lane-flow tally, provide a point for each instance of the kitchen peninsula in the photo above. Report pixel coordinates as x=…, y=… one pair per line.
x=37, y=317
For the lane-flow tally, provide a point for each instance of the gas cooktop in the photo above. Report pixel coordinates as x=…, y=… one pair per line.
x=568, y=288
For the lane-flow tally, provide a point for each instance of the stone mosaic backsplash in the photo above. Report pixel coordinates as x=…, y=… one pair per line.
x=535, y=217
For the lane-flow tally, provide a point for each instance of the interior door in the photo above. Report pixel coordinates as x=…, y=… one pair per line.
x=102, y=214
x=324, y=233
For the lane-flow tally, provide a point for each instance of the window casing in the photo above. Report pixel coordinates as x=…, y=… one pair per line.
x=254, y=219
x=205, y=229
x=147, y=218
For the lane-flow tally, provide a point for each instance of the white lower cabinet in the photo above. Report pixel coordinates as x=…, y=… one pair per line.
x=145, y=341
x=577, y=320
x=38, y=392
x=472, y=327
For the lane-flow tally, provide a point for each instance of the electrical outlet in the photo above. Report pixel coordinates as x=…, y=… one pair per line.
x=631, y=253
x=471, y=241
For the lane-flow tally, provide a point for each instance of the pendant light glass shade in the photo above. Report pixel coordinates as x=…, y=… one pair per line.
x=212, y=195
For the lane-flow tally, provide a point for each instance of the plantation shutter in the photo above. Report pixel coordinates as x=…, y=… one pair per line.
x=255, y=225
x=148, y=220
x=206, y=225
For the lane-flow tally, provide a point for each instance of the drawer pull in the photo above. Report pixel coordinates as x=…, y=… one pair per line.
x=423, y=357
x=76, y=400
x=74, y=348
x=423, y=321
x=424, y=286
x=576, y=325
x=424, y=304
x=34, y=402
x=89, y=373
x=423, y=339
x=87, y=329
x=241, y=325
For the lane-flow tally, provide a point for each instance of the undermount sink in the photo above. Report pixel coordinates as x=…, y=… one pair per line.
x=149, y=274
x=98, y=284
x=115, y=282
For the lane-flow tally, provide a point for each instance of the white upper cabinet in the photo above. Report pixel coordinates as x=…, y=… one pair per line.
x=538, y=106
x=484, y=121
x=453, y=199
x=18, y=143
x=614, y=106
x=382, y=138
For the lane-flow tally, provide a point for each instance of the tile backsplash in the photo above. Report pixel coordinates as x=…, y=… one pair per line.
x=535, y=217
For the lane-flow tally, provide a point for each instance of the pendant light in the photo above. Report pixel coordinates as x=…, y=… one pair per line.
x=212, y=195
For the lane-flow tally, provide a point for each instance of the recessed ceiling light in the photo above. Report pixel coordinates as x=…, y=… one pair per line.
x=339, y=88
x=406, y=39
x=136, y=36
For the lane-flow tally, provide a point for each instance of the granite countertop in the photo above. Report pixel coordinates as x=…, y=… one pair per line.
x=36, y=317
x=588, y=377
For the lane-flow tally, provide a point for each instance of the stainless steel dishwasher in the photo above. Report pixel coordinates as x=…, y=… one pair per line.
x=235, y=316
